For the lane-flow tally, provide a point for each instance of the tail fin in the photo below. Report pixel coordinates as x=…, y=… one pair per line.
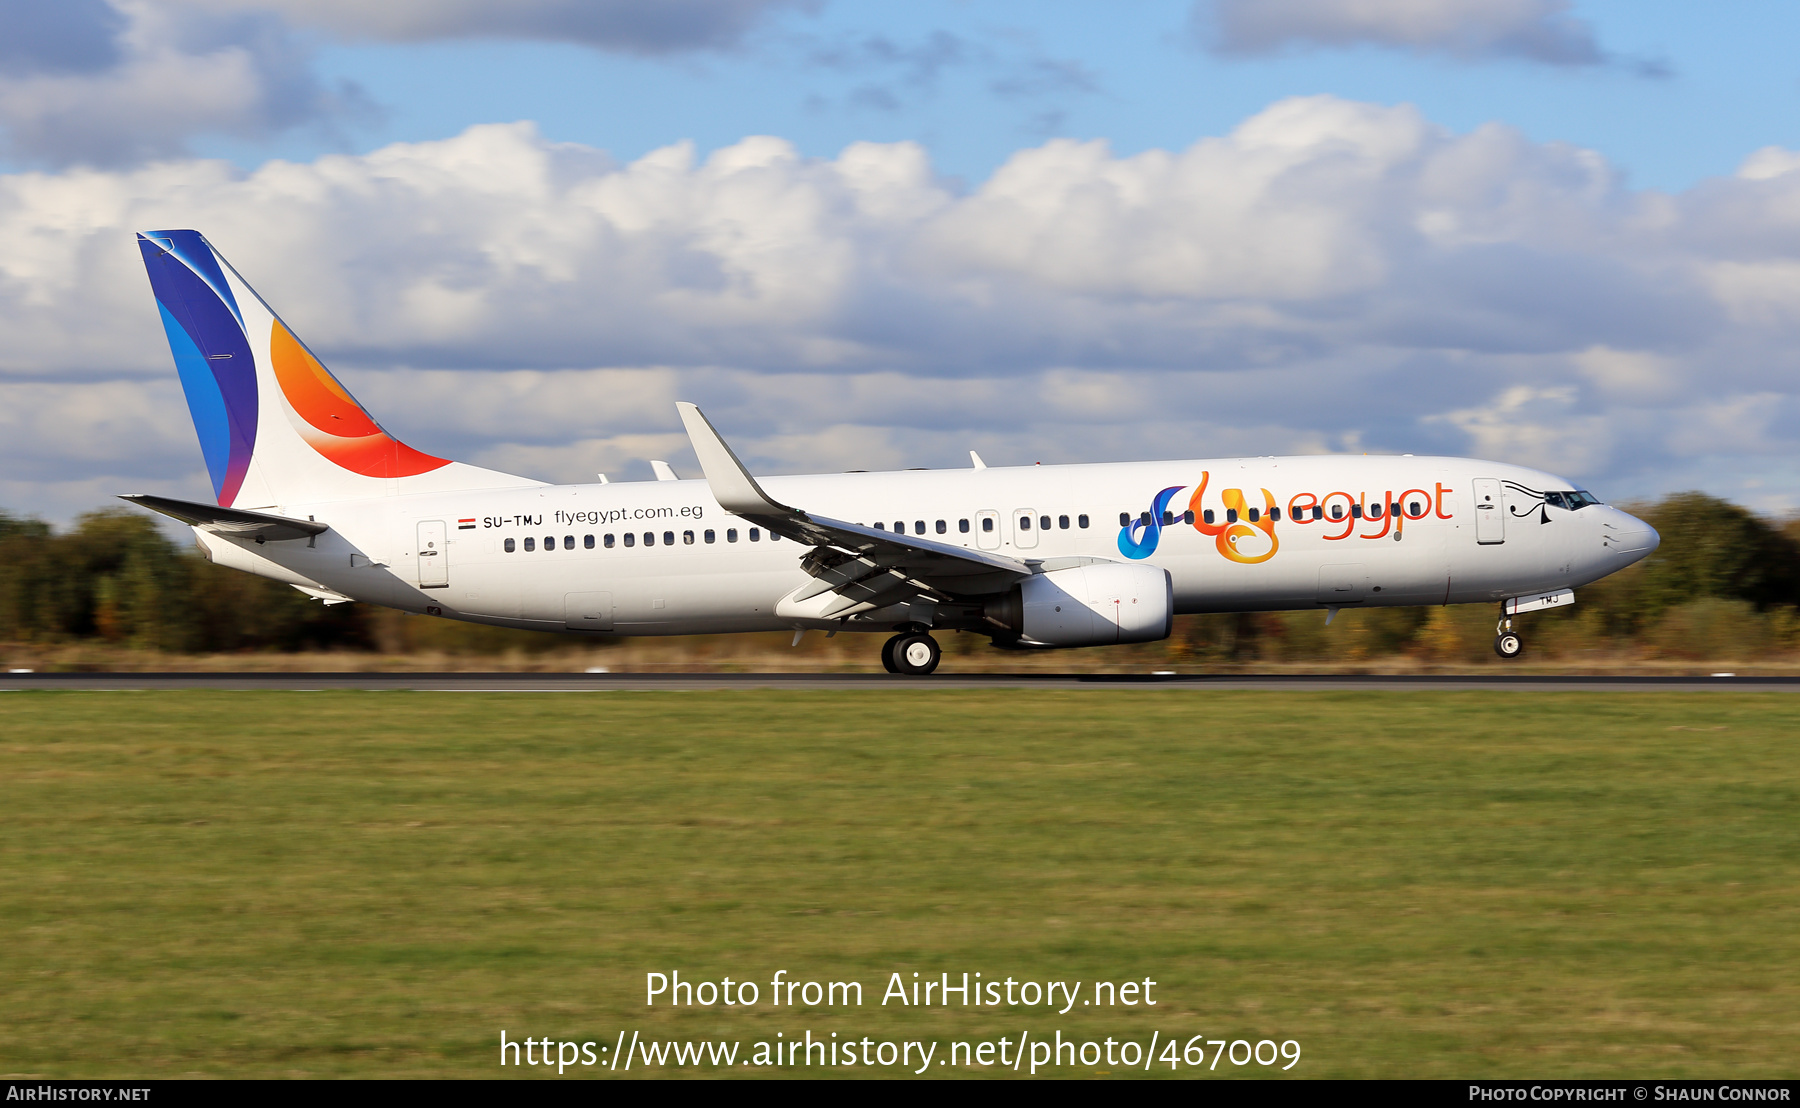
x=275, y=426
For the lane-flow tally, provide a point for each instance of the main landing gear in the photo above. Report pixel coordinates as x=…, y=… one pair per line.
x=911, y=652
x=1507, y=644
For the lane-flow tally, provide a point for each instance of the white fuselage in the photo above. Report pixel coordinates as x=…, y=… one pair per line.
x=465, y=555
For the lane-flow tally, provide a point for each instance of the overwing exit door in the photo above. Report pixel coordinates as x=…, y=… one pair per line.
x=1490, y=511
x=1024, y=528
x=434, y=555
x=987, y=529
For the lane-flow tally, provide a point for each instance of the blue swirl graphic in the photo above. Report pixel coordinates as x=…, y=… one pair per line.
x=1138, y=539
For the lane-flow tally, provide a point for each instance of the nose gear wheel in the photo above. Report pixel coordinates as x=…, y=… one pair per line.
x=1507, y=643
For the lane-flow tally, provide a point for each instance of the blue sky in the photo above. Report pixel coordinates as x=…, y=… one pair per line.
x=1563, y=234
x=976, y=79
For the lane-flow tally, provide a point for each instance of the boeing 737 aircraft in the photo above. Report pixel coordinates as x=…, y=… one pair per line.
x=311, y=491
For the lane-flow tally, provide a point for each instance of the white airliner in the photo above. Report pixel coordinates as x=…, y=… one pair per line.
x=311, y=491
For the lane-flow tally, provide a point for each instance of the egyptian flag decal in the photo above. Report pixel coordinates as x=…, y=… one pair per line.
x=465, y=525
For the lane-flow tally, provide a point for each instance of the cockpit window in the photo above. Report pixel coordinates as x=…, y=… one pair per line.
x=1572, y=501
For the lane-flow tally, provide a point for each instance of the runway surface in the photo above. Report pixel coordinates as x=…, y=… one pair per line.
x=653, y=682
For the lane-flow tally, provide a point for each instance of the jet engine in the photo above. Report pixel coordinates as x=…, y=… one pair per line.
x=1091, y=605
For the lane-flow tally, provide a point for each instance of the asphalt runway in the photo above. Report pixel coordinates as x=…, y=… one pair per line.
x=653, y=682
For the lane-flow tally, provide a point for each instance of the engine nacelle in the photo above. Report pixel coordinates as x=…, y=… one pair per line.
x=1092, y=605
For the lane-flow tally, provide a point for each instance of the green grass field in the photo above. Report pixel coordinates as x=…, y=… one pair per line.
x=1408, y=884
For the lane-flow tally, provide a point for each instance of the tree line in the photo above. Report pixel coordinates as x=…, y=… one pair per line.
x=1725, y=582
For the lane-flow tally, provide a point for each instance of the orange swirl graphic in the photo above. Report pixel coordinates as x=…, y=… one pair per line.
x=334, y=423
x=1226, y=535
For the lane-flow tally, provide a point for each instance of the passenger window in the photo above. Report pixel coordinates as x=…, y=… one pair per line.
x=649, y=538
x=1024, y=523
x=943, y=527
x=508, y=546
x=1255, y=514
x=731, y=534
x=962, y=525
x=1275, y=515
x=773, y=537
x=530, y=544
x=668, y=538
x=1062, y=523
x=1337, y=511
x=918, y=527
x=1375, y=511
x=687, y=538
x=1207, y=515
x=880, y=526
x=1319, y=512
x=630, y=539
x=1144, y=519
x=1187, y=516
x=1231, y=515
x=587, y=542
x=1168, y=518
x=899, y=527
x=608, y=541
x=755, y=535
x=569, y=542
x=1044, y=522
x=1356, y=511
x=987, y=523
x=1124, y=519
x=1081, y=521
x=711, y=537
x=1412, y=508
x=549, y=542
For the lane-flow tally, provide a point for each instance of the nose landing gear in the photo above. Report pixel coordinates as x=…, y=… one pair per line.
x=912, y=653
x=1506, y=643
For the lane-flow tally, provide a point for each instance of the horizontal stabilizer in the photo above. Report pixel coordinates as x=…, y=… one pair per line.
x=230, y=522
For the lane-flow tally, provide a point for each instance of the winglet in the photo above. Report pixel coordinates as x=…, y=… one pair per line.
x=664, y=471
x=976, y=458
x=732, y=486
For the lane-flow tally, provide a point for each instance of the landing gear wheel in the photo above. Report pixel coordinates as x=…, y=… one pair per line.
x=1508, y=645
x=916, y=655
x=887, y=654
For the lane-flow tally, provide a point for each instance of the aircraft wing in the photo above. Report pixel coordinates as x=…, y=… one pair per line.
x=234, y=522
x=866, y=568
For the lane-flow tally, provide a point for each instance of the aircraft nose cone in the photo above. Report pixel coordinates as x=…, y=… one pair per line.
x=1630, y=537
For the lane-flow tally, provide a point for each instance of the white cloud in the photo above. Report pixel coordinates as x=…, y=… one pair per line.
x=1770, y=161
x=1538, y=30
x=119, y=82
x=1329, y=275
x=134, y=79
x=1537, y=423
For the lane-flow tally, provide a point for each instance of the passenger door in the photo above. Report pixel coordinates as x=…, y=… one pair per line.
x=1490, y=512
x=434, y=555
